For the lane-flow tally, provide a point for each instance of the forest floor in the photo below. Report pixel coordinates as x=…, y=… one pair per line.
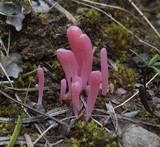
x=115, y=25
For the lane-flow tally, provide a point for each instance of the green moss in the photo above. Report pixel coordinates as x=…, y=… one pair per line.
x=119, y=41
x=7, y=110
x=124, y=77
x=6, y=127
x=91, y=135
x=43, y=16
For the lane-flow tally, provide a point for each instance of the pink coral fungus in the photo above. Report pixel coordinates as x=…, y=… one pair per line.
x=77, y=65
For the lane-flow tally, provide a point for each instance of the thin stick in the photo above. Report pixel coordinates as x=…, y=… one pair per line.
x=63, y=11
x=9, y=42
x=4, y=71
x=43, y=134
x=106, y=5
x=27, y=106
x=127, y=100
x=145, y=18
x=6, y=82
x=28, y=140
x=136, y=92
x=24, y=89
x=121, y=25
x=3, y=47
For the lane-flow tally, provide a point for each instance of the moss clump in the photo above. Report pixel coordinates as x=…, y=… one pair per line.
x=43, y=16
x=7, y=110
x=124, y=77
x=6, y=127
x=119, y=41
x=91, y=135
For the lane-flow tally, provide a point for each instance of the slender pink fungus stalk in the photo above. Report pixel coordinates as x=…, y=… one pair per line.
x=69, y=64
x=63, y=89
x=95, y=80
x=40, y=85
x=73, y=34
x=104, y=70
x=86, y=53
x=75, y=93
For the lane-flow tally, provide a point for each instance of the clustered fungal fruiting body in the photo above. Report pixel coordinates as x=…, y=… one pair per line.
x=77, y=65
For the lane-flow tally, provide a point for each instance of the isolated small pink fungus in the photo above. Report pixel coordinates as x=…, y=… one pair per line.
x=95, y=80
x=40, y=85
x=104, y=70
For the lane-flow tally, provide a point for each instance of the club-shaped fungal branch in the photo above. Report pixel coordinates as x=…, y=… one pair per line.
x=75, y=94
x=69, y=64
x=104, y=70
x=95, y=80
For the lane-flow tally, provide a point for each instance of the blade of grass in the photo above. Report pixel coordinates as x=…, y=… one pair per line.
x=16, y=132
x=154, y=60
x=139, y=57
x=156, y=69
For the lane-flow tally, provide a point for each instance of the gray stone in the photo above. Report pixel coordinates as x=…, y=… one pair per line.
x=136, y=136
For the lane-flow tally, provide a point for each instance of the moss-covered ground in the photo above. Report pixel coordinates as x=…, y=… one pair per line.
x=44, y=33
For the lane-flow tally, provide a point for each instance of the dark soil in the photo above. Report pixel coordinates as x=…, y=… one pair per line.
x=44, y=33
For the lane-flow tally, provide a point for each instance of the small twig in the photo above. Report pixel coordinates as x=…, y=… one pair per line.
x=62, y=10
x=102, y=5
x=20, y=140
x=97, y=122
x=6, y=82
x=4, y=71
x=127, y=100
x=38, y=118
x=106, y=5
x=131, y=120
x=138, y=121
x=135, y=93
x=36, y=111
x=121, y=25
x=152, y=79
x=9, y=42
x=3, y=47
x=28, y=140
x=42, y=134
x=58, y=142
x=145, y=18
x=24, y=89
x=113, y=116
x=29, y=73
